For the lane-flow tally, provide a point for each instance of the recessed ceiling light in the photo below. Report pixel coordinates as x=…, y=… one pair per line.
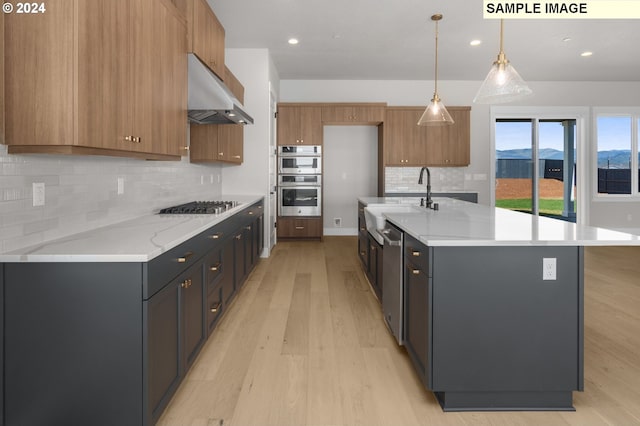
x=475, y=42
x=566, y=39
x=293, y=41
x=587, y=53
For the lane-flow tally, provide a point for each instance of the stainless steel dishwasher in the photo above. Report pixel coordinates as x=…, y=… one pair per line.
x=392, y=287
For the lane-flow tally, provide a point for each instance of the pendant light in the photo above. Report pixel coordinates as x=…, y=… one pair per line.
x=436, y=114
x=503, y=83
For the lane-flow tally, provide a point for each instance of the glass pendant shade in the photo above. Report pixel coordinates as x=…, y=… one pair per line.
x=503, y=83
x=436, y=114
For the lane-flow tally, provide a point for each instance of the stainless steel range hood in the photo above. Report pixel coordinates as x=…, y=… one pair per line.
x=210, y=101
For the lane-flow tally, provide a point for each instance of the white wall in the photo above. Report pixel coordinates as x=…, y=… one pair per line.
x=350, y=170
x=546, y=94
x=254, y=68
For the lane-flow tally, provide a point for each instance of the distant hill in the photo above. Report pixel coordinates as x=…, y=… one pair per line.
x=613, y=159
x=525, y=154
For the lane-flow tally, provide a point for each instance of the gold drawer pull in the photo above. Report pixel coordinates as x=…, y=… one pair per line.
x=415, y=271
x=238, y=237
x=250, y=213
x=216, y=236
x=299, y=227
x=248, y=228
x=236, y=156
x=215, y=268
x=184, y=258
x=415, y=253
x=186, y=283
x=215, y=307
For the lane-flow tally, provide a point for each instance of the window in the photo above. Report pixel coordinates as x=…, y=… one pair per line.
x=617, y=155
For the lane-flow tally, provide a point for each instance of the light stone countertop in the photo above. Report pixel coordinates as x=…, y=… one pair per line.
x=135, y=240
x=460, y=223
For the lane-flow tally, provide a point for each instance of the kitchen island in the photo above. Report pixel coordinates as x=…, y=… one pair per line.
x=493, y=304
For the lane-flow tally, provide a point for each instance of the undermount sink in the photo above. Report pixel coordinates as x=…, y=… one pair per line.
x=373, y=214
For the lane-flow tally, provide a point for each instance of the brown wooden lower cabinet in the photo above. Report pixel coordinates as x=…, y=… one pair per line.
x=296, y=227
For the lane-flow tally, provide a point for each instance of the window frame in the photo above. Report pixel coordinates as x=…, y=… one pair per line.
x=634, y=115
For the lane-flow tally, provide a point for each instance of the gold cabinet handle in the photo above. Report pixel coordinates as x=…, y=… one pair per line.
x=415, y=271
x=238, y=237
x=221, y=154
x=128, y=138
x=248, y=228
x=236, y=156
x=216, y=236
x=362, y=253
x=415, y=253
x=250, y=213
x=186, y=148
x=186, y=283
x=215, y=307
x=215, y=268
x=137, y=139
x=299, y=227
x=186, y=256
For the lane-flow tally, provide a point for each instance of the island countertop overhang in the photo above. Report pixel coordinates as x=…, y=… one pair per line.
x=460, y=223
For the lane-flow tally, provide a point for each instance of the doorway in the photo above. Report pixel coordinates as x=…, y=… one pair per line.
x=536, y=163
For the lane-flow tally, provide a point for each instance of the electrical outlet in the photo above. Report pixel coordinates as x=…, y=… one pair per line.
x=120, y=186
x=38, y=194
x=549, y=268
x=337, y=221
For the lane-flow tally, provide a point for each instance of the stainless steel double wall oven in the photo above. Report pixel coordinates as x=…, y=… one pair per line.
x=300, y=180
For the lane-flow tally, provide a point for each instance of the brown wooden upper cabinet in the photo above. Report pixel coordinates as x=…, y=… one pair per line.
x=216, y=143
x=97, y=77
x=234, y=85
x=299, y=124
x=407, y=144
x=357, y=114
x=206, y=36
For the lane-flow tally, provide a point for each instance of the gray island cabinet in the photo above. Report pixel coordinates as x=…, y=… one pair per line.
x=485, y=332
x=108, y=342
x=493, y=304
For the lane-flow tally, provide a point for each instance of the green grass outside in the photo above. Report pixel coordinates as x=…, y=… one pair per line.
x=546, y=206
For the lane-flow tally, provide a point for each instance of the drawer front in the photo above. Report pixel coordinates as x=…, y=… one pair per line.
x=416, y=253
x=213, y=269
x=214, y=307
x=170, y=264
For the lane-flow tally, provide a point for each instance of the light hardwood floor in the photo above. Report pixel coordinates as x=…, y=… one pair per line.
x=304, y=343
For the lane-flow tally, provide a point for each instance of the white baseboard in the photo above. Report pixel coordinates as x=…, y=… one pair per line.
x=341, y=231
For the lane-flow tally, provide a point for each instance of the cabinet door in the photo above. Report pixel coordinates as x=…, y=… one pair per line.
x=311, y=126
x=240, y=258
x=289, y=125
x=448, y=145
x=207, y=37
x=417, y=319
x=230, y=143
x=203, y=143
x=163, y=359
x=375, y=257
x=228, y=270
x=292, y=227
x=169, y=82
x=402, y=144
x=368, y=114
x=192, y=313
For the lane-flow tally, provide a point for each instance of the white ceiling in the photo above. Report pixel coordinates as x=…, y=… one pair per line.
x=394, y=40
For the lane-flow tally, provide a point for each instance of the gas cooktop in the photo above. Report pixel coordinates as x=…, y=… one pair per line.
x=201, y=207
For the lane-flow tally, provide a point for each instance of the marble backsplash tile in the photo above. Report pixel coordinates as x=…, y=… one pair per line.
x=81, y=193
x=405, y=179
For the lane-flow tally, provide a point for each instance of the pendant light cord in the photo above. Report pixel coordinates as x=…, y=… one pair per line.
x=435, y=89
x=501, y=34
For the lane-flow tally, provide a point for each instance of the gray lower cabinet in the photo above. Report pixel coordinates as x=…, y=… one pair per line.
x=484, y=331
x=109, y=343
